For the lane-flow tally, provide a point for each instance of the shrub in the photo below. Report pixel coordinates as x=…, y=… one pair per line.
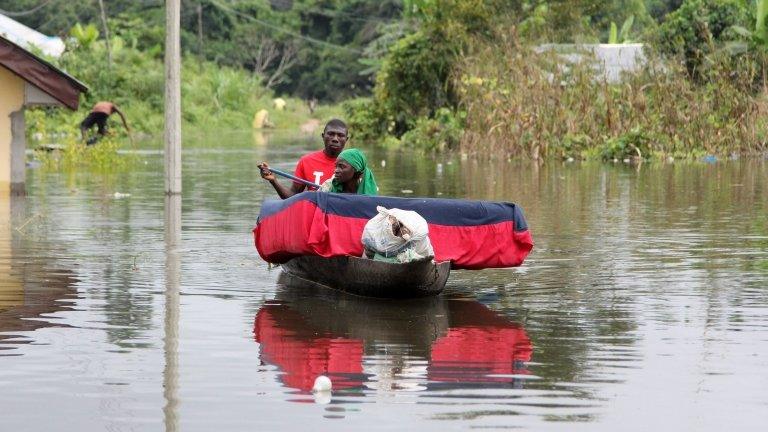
x=634, y=144
x=365, y=124
x=413, y=82
x=694, y=30
x=441, y=132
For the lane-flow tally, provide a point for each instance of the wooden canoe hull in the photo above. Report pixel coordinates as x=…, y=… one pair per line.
x=370, y=278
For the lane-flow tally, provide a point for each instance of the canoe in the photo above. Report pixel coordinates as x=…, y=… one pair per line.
x=371, y=278
x=316, y=236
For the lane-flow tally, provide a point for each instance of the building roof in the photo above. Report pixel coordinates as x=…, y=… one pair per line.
x=27, y=37
x=40, y=73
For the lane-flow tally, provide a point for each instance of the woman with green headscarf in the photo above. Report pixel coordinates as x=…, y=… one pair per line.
x=351, y=175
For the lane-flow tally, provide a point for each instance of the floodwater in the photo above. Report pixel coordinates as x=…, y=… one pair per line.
x=643, y=306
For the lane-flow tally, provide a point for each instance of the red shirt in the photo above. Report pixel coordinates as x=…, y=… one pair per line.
x=316, y=167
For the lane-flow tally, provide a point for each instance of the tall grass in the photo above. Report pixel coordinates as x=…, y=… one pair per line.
x=522, y=103
x=74, y=154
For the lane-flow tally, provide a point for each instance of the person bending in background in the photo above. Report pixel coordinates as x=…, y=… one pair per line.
x=315, y=167
x=351, y=175
x=98, y=117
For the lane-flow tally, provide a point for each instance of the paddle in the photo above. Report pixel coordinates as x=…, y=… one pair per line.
x=294, y=178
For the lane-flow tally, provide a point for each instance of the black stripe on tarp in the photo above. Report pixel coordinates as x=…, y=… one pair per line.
x=440, y=211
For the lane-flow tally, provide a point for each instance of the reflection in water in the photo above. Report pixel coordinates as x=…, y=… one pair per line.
x=388, y=346
x=260, y=139
x=172, y=284
x=29, y=287
x=480, y=346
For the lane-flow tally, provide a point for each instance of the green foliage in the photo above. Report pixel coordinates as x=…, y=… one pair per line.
x=580, y=21
x=614, y=34
x=413, y=82
x=757, y=38
x=103, y=156
x=659, y=9
x=442, y=132
x=364, y=122
x=615, y=37
x=134, y=80
x=626, y=28
x=633, y=144
x=320, y=40
x=695, y=30
x=84, y=35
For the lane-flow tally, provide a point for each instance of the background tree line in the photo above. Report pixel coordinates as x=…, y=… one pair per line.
x=423, y=71
x=305, y=48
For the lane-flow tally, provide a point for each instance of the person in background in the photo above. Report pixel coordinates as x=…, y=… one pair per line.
x=98, y=117
x=351, y=175
x=315, y=167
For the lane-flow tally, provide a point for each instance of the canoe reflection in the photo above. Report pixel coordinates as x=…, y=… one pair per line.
x=398, y=345
x=480, y=346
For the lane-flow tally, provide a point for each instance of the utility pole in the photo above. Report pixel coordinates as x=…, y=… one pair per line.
x=200, y=33
x=172, y=97
x=172, y=210
x=106, y=32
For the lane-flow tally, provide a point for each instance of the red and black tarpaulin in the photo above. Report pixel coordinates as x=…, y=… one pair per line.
x=469, y=234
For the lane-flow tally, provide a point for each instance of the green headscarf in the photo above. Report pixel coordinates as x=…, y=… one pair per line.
x=356, y=158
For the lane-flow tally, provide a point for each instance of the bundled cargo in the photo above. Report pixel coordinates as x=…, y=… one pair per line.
x=396, y=235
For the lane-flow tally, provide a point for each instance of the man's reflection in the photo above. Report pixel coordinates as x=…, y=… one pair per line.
x=388, y=346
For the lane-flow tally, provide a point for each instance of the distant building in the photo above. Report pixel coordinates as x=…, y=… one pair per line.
x=30, y=39
x=26, y=80
x=611, y=59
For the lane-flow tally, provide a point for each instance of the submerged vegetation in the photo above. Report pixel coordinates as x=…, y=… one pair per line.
x=75, y=154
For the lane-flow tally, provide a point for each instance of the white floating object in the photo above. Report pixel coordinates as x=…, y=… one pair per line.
x=383, y=163
x=322, y=398
x=119, y=195
x=322, y=384
x=570, y=159
x=406, y=191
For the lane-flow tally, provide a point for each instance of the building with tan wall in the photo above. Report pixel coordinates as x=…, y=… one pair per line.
x=26, y=80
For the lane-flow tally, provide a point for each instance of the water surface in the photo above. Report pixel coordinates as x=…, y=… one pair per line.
x=643, y=305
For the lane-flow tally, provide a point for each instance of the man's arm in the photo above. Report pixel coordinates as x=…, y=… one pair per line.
x=281, y=190
x=122, y=117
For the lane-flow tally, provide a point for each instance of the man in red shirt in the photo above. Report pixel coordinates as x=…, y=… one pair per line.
x=98, y=117
x=316, y=167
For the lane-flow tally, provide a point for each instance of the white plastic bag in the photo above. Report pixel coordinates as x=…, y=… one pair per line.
x=400, y=234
